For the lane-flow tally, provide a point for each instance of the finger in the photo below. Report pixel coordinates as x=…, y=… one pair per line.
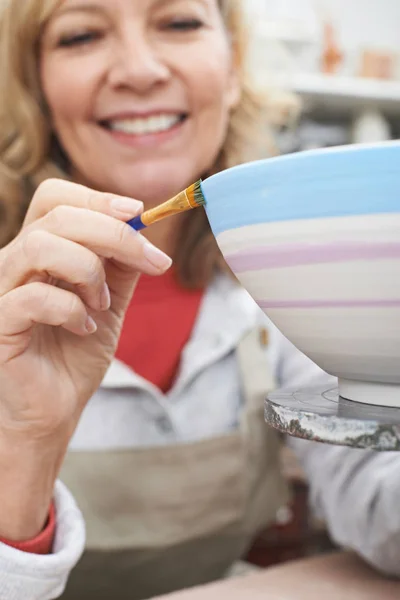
x=41, y=254
x=55, y=192
x=104, y=235
x=35, y=303
x=122, y=282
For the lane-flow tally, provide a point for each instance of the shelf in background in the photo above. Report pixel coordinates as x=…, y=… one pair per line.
x=345, y=94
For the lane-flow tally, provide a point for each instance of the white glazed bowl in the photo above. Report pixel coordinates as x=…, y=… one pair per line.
x=315, y=239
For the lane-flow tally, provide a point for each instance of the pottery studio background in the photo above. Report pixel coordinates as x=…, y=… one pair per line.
x=343, y=58
x=342, y=61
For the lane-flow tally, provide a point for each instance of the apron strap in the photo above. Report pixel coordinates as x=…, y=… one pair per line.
x=254, y=365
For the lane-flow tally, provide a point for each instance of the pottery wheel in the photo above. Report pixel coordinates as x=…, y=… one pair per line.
x=320, y=414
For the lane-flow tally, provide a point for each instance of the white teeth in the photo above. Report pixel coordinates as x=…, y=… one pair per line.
x=145, y=126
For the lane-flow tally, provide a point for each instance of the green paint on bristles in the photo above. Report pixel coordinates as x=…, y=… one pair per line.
x=197, y=194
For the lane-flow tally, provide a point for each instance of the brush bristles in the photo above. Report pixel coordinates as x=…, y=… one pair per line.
x=195, y=194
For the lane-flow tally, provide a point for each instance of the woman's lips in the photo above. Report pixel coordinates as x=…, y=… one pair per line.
x=145, y=130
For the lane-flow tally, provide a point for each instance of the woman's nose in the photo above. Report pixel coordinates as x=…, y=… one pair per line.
x=138, y=66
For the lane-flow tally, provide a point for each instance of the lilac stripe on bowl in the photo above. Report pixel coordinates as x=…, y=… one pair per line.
x=291, y=255
x=268, y=304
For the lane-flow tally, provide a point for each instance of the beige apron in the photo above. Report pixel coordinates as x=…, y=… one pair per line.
x=186, y=512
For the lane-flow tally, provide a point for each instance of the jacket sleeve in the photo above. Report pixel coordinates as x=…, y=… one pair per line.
x=25, y=576
x=356, y=492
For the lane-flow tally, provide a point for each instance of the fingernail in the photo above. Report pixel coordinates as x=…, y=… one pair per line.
x=105, y=298
x=127, y=207
x=156, y=257
x=90, y=325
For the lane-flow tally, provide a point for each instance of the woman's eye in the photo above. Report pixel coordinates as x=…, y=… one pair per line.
x=185, y=25
x=78, y=39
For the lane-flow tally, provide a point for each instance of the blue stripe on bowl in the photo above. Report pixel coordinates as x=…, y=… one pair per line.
x=352, y=180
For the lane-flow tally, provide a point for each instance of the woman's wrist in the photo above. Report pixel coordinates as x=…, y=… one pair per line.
x=28, y=472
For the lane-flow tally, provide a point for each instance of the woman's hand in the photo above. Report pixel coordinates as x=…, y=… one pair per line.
x=65, y=283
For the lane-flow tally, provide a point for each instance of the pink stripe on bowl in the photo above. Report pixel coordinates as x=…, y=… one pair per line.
x=291, y=255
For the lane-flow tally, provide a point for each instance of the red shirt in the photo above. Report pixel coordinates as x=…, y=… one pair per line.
x=158, y=324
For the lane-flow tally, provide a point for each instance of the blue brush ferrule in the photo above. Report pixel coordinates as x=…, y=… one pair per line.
x=137, y=224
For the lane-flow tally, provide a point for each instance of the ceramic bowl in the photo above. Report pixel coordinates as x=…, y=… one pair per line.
x=315, y=239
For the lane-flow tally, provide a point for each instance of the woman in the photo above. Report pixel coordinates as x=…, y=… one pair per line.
x=168, y=455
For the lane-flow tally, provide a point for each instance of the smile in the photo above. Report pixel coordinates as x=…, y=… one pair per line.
x=145, y=125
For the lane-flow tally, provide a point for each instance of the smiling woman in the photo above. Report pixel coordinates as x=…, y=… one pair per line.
x=137, y=98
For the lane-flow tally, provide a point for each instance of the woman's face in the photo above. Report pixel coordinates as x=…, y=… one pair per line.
x=139, y=91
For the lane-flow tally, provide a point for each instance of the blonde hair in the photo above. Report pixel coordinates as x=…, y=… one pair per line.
x=29, y=153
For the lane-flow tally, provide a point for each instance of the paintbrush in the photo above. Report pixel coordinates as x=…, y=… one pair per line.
x=192, y=197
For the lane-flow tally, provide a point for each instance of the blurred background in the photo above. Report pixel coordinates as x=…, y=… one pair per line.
x=341, y=57
x=332, y=69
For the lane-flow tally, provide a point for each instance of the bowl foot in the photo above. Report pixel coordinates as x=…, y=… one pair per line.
x=377, y=394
